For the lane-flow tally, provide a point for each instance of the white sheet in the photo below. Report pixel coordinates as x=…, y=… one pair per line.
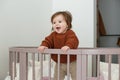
x=37, y=70
x=103, y=69
x=114, y=71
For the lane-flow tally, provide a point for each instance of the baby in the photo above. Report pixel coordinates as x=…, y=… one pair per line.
x=62, y=37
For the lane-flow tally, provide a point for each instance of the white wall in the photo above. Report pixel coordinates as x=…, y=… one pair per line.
x=22, y=23
x=84, y=21
x=83, y=18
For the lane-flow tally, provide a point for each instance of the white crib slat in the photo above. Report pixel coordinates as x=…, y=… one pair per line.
x=119, y=65
x=109, y=67
x=49, y=66
x=79, y=67
x=41, y=65
x=84, y=67
x=33, y=66
x=68, y=67
x=14, y=64
x=10, y=64
x=23, y=66
x=58, y=66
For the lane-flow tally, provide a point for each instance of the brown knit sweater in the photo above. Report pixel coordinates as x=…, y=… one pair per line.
x=57, y=41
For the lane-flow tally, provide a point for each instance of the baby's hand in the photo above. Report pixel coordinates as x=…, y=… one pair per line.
x=65, y=48
x=42, y=48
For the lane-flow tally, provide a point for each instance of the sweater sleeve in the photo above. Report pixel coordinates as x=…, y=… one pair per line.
x=48, y=41
x=72, y=40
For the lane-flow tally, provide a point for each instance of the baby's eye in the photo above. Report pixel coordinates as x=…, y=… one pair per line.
x=60, y=21
x=54, y=22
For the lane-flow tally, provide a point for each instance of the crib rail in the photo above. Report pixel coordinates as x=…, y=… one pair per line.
x=20, y=54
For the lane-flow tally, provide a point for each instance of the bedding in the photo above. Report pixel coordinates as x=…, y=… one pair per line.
x=45, y=71
x=114, y=70
x=37, y=70
x=103, y=70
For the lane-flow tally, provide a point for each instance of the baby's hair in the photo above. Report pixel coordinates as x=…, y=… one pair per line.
x=66, y=14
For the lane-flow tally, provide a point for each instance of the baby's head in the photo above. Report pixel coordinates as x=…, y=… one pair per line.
x=61, y=21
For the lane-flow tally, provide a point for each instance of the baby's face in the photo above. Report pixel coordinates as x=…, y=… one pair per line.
x=59, y=24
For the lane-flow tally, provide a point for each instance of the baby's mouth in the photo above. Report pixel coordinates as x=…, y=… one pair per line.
x=58, y=28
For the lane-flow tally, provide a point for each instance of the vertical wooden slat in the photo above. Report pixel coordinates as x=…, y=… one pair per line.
x=119, y=65
x=98, y=65
x=84, y=67
x=33, y=66
x=10, y=64
x=41, y=65
x=68, y=67
x=49, y=66
x=15, y=64
x=109, y=68
x=23, y=66
x=79, y=67
x=87, y=66
x=58, y=67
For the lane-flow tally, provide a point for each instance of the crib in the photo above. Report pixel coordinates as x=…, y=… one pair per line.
x=24, y=57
